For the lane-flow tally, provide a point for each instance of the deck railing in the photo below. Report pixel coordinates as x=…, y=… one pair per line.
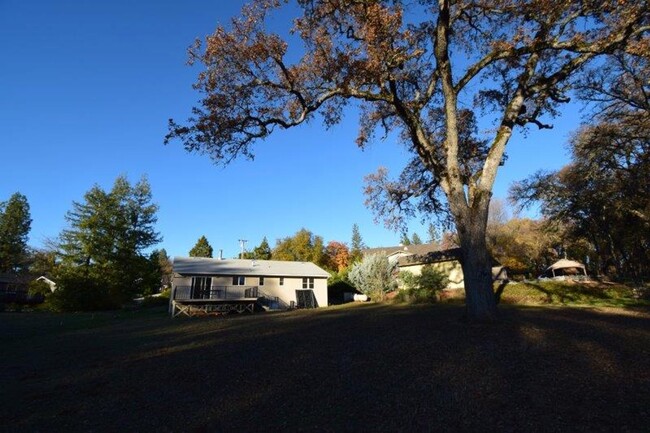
x=215, y=292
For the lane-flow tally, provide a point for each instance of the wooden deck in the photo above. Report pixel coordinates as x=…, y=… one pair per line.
x=204, y=307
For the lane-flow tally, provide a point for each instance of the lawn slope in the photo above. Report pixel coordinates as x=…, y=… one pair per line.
x=348, y=368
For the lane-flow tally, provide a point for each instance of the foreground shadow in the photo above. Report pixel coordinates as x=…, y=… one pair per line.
x=369, y=368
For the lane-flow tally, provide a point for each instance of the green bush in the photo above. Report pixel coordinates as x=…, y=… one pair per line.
x=78, y=292
x=421, y=288
x=37, y=288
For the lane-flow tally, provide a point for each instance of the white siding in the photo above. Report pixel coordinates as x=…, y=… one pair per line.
x=271, y=287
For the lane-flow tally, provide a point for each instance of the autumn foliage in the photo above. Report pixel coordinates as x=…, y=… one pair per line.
x=421, y=69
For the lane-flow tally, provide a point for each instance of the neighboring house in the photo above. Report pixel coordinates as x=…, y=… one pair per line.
x=278, y=284
x=413, y=258
x=15, y=288
x=445, y=261
x=400, y=251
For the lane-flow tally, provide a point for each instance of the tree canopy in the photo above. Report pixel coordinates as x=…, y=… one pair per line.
x=15, y=223
x=103, y=249
x=260, y=252
x=202, y=248
x=603, y=195
x=424, y=69
x=356, y=244
x=304, y=246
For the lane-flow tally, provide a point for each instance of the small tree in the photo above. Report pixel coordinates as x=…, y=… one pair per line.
x=166, y=269
x=415, y=239
x=356, y=245
x=202, y=248
x=374, y=276
x=15, y=223
x=423, y=287
x=338, y=256
x=434, y=234
x=262, y=251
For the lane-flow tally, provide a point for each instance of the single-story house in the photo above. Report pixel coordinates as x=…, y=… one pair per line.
x=279, y=284
x=413, y=258
x=563, y=269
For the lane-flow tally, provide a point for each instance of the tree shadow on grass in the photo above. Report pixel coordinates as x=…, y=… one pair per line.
x=358, y=368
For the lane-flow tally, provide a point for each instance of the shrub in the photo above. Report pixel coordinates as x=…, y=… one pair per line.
x=78, y=292
x=154, y=301
x=373, y=276
x=421, y=288
x=39, y=288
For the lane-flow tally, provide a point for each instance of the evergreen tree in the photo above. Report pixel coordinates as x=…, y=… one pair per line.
x=434, y=234
x=357, y=244
x=404, y=240
x=263, y=251
x=103, y=246
x=166, y=268
x=202, y=248
x=373, y=276
x=415, y=239
x=15, y=223
x=43, y=262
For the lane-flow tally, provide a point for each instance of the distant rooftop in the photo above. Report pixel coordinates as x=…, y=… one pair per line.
x=419, y=249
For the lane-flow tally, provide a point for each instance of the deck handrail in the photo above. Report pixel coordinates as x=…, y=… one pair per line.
x=215, y=292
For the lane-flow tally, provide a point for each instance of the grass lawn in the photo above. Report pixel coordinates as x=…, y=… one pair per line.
x=347, y=368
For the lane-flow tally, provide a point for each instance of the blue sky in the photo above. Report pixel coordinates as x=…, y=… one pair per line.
x=86, y=89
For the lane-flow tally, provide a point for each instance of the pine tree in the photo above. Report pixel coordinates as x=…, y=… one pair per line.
x=434, y=234
x=15, y=223
x=415, y=239
x=202, y=248
x=357, y=244
x=263, y=251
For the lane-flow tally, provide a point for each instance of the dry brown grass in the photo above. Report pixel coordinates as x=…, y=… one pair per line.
x=348, y=368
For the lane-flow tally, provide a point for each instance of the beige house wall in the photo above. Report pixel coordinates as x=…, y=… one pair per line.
x=271, y=287
x=452, y=269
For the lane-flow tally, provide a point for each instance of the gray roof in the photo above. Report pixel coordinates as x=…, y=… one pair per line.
x=418, y=249
x=261, y=268
x=430, y=257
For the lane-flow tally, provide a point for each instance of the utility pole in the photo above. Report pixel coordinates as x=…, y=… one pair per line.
x=242, y=246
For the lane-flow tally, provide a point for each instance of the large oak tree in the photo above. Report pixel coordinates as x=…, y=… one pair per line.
x=414, y=67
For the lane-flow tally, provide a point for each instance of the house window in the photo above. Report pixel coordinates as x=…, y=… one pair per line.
x=282, y=281
x=238, y=281
x=307, y=283
x=261, y=281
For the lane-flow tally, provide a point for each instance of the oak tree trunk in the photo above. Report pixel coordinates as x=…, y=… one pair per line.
x=471, y=225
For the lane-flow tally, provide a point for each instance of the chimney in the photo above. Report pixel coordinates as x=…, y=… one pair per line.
x=220, y=254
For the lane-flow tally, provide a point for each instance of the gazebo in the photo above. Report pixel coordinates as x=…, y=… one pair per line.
x=565, y=269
